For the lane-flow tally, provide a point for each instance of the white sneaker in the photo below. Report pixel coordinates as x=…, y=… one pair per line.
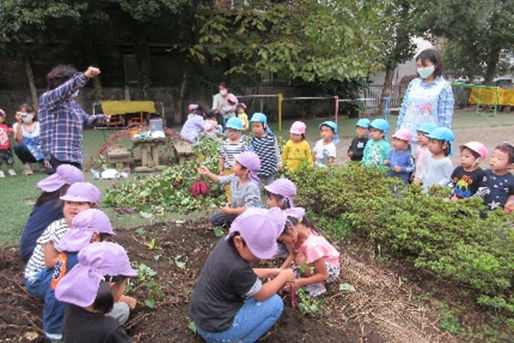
x=2, y=175
x=11, y=172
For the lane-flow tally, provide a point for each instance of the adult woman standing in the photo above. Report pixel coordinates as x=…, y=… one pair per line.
x=26, y=134
x=223, y=102
x=429, y=98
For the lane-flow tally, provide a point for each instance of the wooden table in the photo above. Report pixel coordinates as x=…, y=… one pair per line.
x=149, y=153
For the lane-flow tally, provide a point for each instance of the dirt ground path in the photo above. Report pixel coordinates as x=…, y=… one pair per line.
x=489, y=136
x=381, y=309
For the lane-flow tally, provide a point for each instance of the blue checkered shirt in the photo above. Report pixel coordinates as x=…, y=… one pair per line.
x=61, y=120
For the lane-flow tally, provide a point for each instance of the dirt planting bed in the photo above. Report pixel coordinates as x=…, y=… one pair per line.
x=381, y=309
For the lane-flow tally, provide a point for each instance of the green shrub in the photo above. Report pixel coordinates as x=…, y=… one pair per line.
x=451, y=239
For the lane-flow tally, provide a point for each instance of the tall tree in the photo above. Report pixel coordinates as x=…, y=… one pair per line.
x=477, y=33
x=24, y=29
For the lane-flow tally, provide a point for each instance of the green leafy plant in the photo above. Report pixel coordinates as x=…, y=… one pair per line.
x=146, y=280
x=307, y=304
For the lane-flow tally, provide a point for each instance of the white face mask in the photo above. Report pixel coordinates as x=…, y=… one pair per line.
x=426, y=71
x=27, y=118
x=75, y=94
x=223, y=92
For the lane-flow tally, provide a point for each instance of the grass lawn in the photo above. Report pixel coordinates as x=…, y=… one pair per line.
x=18, y=193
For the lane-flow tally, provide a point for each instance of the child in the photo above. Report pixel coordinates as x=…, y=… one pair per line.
x=229, y=148
x=241, y=108
x=6, y=155
x=438, y=168
x=193, y=127
x=265, y=145
x=467, y=178
x=377, y=148
x=281, y=193
x=48, y=207
x=311, y=250
x=324, y=152
x=230, y=303
x=26, y=134
x=91, y=288
x=297, y=150
x=244, y=189
x=210, y=125
x=79, y=197
x=400, y=159
x=356, y=149
x=230, y=109
x=87, y=227
x=498, y=178
x=422, y=151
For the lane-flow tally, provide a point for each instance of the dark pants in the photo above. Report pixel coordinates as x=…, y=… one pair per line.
x=56, y=163
x=6, y=157
x=24, y=153
x=222, y=219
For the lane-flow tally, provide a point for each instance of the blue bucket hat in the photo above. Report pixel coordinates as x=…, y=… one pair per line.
x=426, y=127
x=234, y=123
x=363, y=122
x=333, y=126
x=443, y=134
x=259, y=117
x=380, y=124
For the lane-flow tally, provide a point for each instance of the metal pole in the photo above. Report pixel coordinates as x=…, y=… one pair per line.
x=336, y=98
x=280, y=99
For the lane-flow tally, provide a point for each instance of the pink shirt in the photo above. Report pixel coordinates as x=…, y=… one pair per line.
x=422, y=153
x=316, y=247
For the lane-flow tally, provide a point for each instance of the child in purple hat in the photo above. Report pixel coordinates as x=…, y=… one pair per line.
x=281, y=193
x=79, y=197
x=48, y=207
x=91, y=288
x=230, y=302
x=87, y=227
x=244, y=189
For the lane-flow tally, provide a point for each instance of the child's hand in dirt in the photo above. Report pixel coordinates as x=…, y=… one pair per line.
x=397, y=169
x=202, y=170
x=130, y=301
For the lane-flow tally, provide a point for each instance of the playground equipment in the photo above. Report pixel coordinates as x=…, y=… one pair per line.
x=128, y=113
x=488, y=95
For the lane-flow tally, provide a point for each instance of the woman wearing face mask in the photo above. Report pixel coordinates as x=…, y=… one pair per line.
x=222, y=103
x=26, y=135
x=429, y=98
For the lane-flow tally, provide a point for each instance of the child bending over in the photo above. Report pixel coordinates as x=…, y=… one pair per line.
x=92, y=288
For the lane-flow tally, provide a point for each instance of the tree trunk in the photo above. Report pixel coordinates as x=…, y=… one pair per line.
x=178, y=117
x=32, y=83
x=97, y=86
x=142, y=51
x=388, y=86
x=492, y=62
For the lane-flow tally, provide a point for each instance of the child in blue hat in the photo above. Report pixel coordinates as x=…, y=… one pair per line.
x=438, y=168
x=230, y=148
x=422, y=151
x=356, y=149
x=324, y=152
x=377, y=148
x=265, y=145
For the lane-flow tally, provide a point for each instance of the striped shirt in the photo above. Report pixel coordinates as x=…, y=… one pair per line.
x=269, y=154
x=61, y=120
x=53, y=233
x=229, y=150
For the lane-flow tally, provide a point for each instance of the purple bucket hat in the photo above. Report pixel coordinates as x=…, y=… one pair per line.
x=96, y=260
x=260, y=228
x=82, y=192
x=283, y=187
x=83, y=226
x=65, y=174
x=251, y=161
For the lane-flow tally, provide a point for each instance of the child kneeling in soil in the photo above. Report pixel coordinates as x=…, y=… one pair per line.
x=281, y=193
x=91, y=289
x=230, y=303
x=87, y=227
x=315, y=258
x=244, y=189
x=79, y=197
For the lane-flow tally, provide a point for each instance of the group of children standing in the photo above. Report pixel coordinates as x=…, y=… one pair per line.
x=70, y=266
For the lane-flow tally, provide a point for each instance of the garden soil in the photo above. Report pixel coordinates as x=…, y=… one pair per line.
x=382, y=307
